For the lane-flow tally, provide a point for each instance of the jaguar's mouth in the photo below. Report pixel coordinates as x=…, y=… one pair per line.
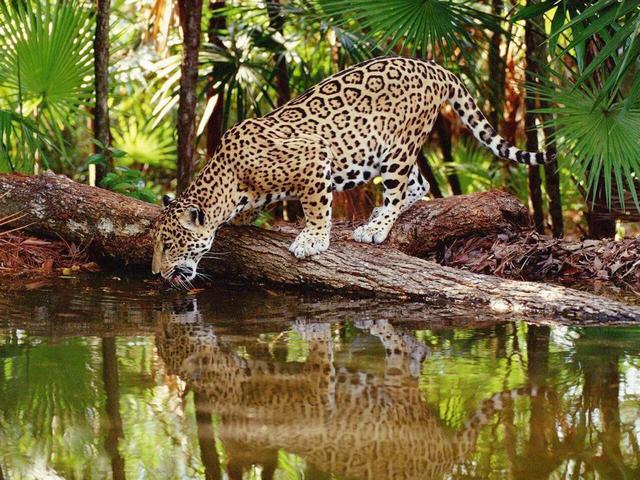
x=180, y=277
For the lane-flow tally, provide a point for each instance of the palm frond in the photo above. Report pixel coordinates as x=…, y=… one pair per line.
x=415, y=25
x=601, y=143
x=47, y=57
x=20, y=142
x=615, y=23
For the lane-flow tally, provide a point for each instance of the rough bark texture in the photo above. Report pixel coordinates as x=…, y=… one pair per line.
x=444, y=140
x=217, y=22
x=427, y=173
x=118, y=226
x=496, y=71
x=101, y=73
x=532, y=40
x=190, y=16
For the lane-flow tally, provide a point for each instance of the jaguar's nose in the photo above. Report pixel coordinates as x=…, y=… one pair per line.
x=182, y=273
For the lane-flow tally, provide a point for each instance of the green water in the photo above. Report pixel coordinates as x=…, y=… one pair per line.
x=105, y=378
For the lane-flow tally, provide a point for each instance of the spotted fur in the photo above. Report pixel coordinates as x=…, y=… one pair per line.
x=366, y=121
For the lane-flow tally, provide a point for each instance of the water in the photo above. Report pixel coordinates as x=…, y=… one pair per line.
x=106, y=378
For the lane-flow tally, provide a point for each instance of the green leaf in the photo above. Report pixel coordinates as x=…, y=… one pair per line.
x=435, y=27
x=47, y=58
x=97, y=159
x=534, y=10
x=117, y=153
x=601, y=142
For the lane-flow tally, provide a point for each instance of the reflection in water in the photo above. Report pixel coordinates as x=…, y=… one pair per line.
x=112, y=392
x=255, y=386
x=348, y=422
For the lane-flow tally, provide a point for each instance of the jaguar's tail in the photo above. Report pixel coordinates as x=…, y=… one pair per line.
x=468, y=435
x=474, y=120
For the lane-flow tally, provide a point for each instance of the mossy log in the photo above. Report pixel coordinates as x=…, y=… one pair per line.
x=118, y=227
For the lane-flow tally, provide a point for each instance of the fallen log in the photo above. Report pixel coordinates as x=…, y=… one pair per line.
x=118, y=227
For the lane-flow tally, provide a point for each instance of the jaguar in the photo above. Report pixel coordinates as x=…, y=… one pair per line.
x=367, y=121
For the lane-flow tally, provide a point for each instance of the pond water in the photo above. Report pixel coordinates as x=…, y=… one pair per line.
x=107, y=378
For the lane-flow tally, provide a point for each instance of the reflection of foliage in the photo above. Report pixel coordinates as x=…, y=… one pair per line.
x=52, y=402
x=50, y=405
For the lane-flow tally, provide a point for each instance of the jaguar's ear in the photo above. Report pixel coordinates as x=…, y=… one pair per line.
x=197, y=216
x=166, y=200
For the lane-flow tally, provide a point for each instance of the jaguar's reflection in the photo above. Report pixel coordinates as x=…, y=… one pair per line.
x=341, y=421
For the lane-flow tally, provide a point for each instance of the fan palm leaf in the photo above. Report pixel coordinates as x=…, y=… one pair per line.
x=601, y=142
x=20, y=140
x=616, y=22
x=421, y=26
x=47, y=57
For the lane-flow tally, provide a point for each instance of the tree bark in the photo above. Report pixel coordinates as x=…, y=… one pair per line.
x=496, y=71
x=217, y=22
x=427, y=173
x=190, y=16
x=551, y=171
x=118, y=227
x=444, y=140
x=101, y=82
x=552, y=176
x=531, y=76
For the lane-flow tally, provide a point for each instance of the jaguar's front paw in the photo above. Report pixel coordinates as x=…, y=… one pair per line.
x=370, y=233
x=309, y=243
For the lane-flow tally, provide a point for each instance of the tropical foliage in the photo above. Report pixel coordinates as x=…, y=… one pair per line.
x=256, y=54
x=45, y=69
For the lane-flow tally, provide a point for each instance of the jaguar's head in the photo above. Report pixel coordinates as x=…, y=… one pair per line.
x=182, y=235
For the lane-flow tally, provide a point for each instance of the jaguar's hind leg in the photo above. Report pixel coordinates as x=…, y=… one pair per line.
x=418, y=187
x=395, y=178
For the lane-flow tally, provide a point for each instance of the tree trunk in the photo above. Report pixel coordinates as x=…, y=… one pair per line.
x=601, y=222
x=552, y=175
x=217, y=22
x=101, y=74
x=118, y=227
x=427, y=173
x=531, y=76
x=444, y=140
x=551, y=172
x=552, y=185
x=190, y=16
x=496, y=71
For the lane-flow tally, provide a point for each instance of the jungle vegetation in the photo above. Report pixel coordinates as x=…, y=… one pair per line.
x=143, y=90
